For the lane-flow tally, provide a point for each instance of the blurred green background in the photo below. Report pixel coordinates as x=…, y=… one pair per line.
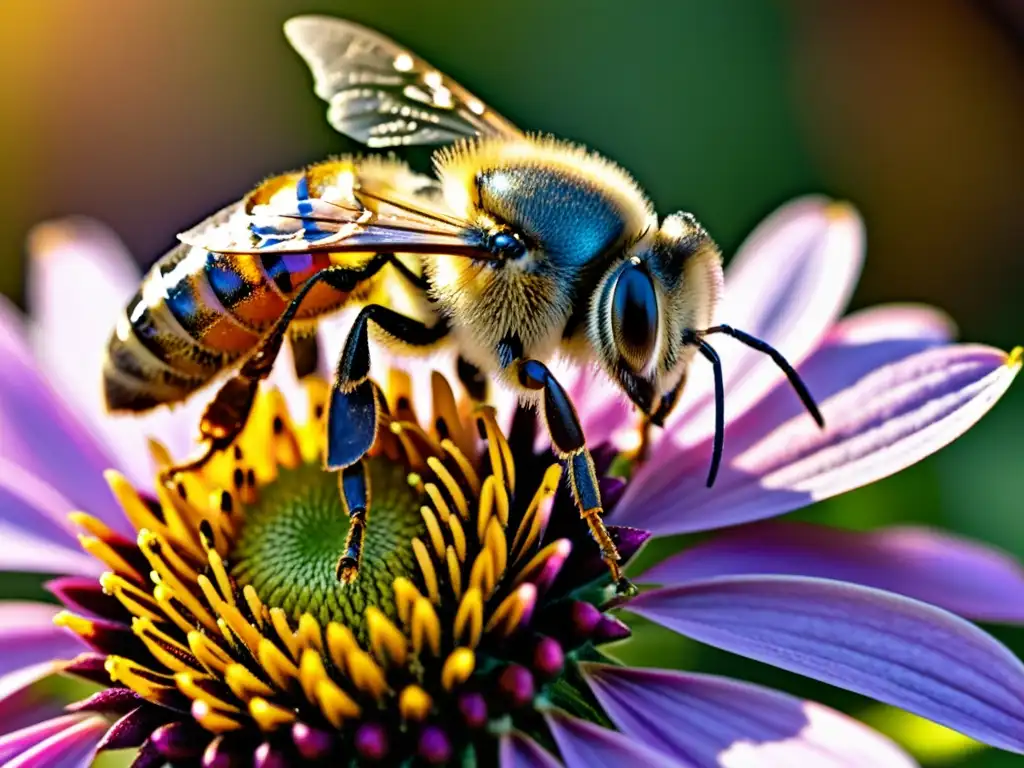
x=150, y=115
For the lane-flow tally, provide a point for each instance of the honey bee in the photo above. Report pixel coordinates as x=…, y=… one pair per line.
x=520, y=248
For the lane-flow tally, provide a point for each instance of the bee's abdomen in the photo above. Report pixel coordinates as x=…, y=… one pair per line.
x=154, y=355
x=196, y=314
x=255, y=289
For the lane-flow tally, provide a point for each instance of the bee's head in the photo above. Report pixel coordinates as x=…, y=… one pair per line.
x=666, y=284
x=547, y=218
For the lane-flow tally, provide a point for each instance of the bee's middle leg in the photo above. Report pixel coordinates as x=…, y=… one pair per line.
x=305, y=345
x=354, y=412
x=570, y=444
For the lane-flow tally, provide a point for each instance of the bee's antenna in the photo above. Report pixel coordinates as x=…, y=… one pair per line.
x=690, y=337
x=775, y=355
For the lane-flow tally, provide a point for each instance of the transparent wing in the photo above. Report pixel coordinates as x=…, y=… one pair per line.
x=383, y=95
x=377, y=218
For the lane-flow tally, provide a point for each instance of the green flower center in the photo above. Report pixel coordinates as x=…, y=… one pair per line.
x=289, y=546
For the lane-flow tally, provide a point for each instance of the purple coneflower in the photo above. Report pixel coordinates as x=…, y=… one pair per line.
x=208, y=616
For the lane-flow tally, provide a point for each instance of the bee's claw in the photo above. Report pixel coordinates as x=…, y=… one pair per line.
x=347, y=570
x=626, y=588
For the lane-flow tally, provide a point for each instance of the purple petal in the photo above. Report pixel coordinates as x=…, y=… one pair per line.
x=518, y=750
x=585, y=745
x=35, y=534
x=890, y=419
x=853, y=348
x=897, y=650
x=28, y=636
x=962, y=576
x=20, y=551
x=787, y=284
x=43, y=435
x=710, y=721
x=65, y=742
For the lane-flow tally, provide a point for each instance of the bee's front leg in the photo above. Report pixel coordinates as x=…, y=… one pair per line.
x=354, y=415
x=570, y=444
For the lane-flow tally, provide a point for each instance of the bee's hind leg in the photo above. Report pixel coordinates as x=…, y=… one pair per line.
x=226, y=415
x=570, y=444
x=354, y=413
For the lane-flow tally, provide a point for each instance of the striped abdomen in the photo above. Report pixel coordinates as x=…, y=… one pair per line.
x=198, y=313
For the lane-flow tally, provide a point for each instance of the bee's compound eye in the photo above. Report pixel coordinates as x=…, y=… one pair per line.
x=506, y=244
x=635, y=317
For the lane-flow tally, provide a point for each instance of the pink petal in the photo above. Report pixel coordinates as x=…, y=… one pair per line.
x=29, y=637
x=713, y=721
x=79, y=282
x=603, y=408
x=962, y=576
x=787, y=284
x=14, y=685
x=15, y=743
x=27, y=705
x=585, y=745
x=41, y=433
x=518, y=750
x=65, y=742
x=890, y=419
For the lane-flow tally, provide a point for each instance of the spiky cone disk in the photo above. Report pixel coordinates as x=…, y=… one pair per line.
x=223, y=637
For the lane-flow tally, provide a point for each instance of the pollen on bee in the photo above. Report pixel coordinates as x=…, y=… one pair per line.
x=403, y=62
